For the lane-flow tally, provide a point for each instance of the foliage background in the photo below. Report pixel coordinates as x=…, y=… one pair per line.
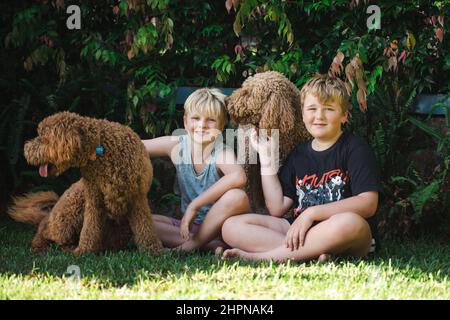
x=129, y=56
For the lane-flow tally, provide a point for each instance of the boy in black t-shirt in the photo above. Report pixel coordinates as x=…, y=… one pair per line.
x=330, y=184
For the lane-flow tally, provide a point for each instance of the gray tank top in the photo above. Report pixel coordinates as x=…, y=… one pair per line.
x=190, y=183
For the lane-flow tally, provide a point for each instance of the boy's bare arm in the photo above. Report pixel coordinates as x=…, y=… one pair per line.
x=161, y=147
x=276, y=202
x=233, y=178
x=365, y=204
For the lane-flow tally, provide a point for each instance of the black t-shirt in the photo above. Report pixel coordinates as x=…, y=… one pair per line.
x=346, y=169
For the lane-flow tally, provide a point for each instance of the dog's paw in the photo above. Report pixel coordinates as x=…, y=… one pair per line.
x=39, y=246
x=78, y=251
x=68, y=248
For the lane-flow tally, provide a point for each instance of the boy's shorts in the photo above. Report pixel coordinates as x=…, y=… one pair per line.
x=373, y=245
x=194, y=227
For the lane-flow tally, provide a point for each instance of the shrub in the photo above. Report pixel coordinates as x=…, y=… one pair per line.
x=129, y=56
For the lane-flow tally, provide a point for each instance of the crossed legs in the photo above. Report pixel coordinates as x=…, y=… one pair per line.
x=208, y=237
x=258, y=237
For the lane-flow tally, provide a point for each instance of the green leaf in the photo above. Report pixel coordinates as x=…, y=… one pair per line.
x=123, y=6
x=98, y=54
x=403, y=180
x=376, y=73
x=447, y=60
x=170, y=23
x=420, y=197
x=135, y=100
x=427, y=128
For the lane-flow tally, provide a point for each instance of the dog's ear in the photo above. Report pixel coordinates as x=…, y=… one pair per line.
x=66, y=144
x=90, y=138
x=236, y=103
x=278, y=114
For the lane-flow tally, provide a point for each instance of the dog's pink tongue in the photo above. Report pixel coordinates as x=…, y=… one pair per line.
x=43, y=171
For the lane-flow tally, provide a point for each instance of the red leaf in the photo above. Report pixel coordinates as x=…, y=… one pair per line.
x=340, y=56
x=116, y=10
x=334, y=69
x=441, y=21
x=394, y=45
x=336, y=65
x=237, y=49
x=433, y=19
x=402, y=56
x=361, y=96
x=362, y=85
x=349, y=88
x=350, y=73
x=60, y=4
x=130, y=54
x=228, y=5
x=129, y=37
x=392, y=64
x=169, y=42
x=439, y=34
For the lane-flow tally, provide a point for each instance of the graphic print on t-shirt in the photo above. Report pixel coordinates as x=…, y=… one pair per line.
x=312, y=190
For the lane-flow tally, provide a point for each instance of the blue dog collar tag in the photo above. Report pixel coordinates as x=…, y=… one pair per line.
x=99, y=150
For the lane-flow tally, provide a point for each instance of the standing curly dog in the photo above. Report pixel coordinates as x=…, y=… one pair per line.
x=97, y=212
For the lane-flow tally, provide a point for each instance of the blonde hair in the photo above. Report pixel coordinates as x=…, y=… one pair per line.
x=208, y=102
x=327, y=89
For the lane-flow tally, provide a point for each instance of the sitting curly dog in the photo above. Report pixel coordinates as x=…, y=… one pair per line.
x=108, y=203
x=267, y=100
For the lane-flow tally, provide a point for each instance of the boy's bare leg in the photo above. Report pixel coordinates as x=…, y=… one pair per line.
x=170, y=235
x=217, y=246
x=255, y=232
x=166, y=231
x=233, y=202
x=342, y=234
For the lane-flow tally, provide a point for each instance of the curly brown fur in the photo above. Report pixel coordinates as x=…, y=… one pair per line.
x=110, y=200
x=268, y=101
x=32, y=207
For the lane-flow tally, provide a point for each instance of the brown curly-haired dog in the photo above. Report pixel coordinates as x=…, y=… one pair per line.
x=110, y=200
x=267, y=100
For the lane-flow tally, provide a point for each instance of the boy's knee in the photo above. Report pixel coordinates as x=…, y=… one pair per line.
x=230, y=226
x=351, y=225
x=235, y=198
x=230, y=223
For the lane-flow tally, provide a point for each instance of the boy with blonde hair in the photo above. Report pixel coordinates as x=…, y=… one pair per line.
x=330, y=183
x=208, y=175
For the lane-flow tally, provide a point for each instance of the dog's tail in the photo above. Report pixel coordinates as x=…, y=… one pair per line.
x=32, y=207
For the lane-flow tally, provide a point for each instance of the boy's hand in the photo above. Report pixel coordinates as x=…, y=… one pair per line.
x=262, y=143
x=295, y=236
x=187, y=221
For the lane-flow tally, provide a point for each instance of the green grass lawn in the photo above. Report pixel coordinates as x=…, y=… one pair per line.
x=418, y=270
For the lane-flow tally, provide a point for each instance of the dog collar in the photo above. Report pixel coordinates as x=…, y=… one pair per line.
x=99, y=150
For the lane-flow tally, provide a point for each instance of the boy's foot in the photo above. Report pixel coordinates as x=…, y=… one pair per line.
x=219, y=251
x=235, y=253
x=172, y=250
x=324, y=257
x=188, y=246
